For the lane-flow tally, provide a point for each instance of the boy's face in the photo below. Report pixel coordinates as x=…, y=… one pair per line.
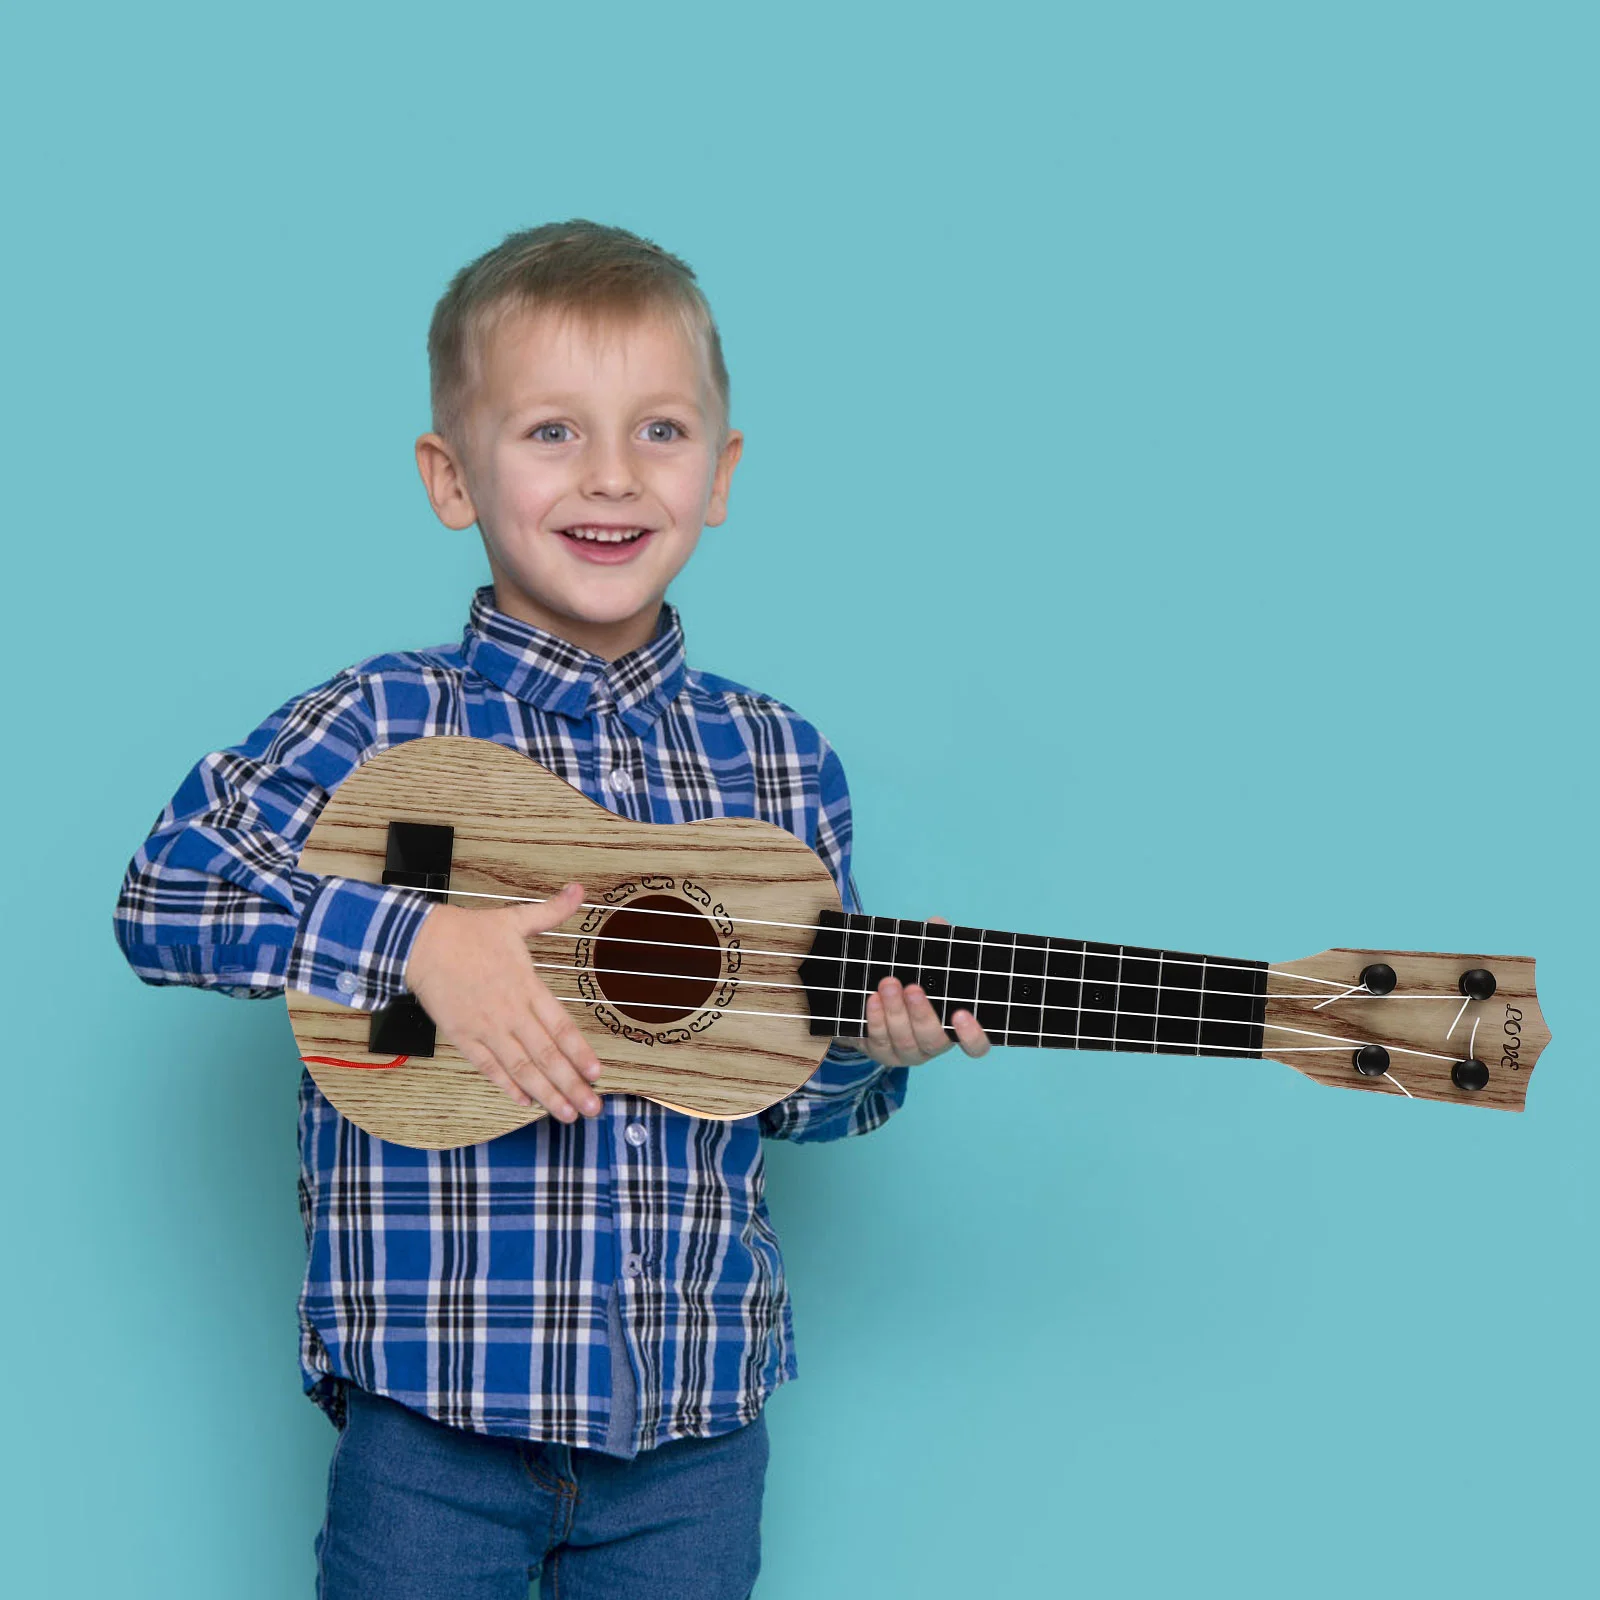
x=590, y=459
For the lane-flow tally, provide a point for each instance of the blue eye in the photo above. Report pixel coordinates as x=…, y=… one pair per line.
x=552, y=433
x=662, y=432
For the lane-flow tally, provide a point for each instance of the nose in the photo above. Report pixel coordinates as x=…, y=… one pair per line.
x=608, y=470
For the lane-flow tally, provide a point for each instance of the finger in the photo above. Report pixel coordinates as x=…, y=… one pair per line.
x=897, y=1022
x=557, y=1021
x=880, y=1045
x=925, y=1024
x=542, y=1056
x=944, y=920
x=540, y=916
x=533, y=1080
x=484, y=1060
x=969, y=1035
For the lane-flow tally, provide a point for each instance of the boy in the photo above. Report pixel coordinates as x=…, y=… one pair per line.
x=550, y=1350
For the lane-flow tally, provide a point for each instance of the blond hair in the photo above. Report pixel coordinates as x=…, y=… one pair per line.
x=582, y=268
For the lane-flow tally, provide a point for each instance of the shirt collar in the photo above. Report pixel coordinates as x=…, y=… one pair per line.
x=557, y=676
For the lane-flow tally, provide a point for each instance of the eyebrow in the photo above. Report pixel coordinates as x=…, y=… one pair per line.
x=651, y=402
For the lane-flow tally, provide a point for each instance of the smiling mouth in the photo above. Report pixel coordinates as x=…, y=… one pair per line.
x=597, y=535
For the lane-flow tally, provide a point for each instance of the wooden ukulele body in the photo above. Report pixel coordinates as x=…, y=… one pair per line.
x=520, y=831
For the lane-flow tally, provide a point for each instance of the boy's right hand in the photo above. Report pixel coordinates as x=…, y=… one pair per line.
x=473, y=974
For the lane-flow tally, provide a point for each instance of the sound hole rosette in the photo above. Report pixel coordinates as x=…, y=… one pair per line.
x=656, y=960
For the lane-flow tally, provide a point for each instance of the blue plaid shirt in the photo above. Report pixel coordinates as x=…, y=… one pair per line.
x=491, y=1287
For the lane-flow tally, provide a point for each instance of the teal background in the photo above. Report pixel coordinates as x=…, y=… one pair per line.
x=1169, y=481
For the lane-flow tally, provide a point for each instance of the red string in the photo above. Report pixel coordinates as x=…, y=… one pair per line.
x=334, y=1061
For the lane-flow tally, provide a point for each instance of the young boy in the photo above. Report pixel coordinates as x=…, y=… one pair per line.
x=550, y=1350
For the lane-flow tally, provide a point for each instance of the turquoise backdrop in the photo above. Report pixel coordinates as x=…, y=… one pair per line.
x=1170, y=481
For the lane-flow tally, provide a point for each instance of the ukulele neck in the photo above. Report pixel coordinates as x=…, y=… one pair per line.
x=1064, y=994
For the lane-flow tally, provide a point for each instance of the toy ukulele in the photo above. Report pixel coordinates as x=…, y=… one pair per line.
x=712, y=966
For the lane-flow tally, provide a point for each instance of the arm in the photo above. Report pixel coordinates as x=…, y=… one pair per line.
x=214, y=896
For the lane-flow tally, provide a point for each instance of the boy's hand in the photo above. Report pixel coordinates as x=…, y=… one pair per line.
x=472, y=972
x=903, y=1029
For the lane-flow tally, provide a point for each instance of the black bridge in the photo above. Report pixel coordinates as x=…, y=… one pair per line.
x=418, y=857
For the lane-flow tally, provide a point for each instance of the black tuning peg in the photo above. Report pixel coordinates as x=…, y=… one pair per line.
x=1472, y=1075
x=1371, y=1061
x=1478, y=984
x=1379, y=978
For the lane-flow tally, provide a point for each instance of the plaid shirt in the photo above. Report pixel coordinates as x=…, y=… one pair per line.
x=477, y=1285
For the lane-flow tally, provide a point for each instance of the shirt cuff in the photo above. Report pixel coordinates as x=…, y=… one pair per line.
x=354, y=940
x=845, y=1067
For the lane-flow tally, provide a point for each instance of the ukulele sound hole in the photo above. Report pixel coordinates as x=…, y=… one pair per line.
x=654, y=968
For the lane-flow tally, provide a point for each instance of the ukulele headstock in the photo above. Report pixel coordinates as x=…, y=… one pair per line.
x=1461, y=1028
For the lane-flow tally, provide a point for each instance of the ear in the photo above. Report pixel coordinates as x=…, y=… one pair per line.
x=727, y=460
x=445, y=481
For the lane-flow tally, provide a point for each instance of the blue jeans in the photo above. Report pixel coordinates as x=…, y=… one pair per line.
x=419, y=1511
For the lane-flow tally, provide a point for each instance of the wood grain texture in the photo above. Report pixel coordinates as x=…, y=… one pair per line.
x=1507, y=1032
x=521, y=831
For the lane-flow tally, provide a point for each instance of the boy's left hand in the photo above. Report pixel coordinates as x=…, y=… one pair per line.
x=903, y=1029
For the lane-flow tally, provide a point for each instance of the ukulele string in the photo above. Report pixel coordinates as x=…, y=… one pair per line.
x=1355, y=988
x=1078, y=1040
x=815, y=928
x=1041, y=1033
x=973, y=972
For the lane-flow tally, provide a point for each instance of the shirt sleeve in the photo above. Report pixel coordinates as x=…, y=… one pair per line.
x=215, y=897
x=849, y=1093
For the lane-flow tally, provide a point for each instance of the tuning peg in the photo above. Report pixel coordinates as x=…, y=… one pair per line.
x=1371, y=1061
x=1478, y=984
x=1379, y=978
x=1472, y=1075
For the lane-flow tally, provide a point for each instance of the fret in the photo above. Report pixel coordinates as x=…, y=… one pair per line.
x=1063, y=992
x=962, y=994
x=1231, y=1009
x=1025, y=1025
x=995, y=955
x=857, y=948
x=822, y=973
x=933, y=969
x=910, y=946
x=880, y=958
x=1097, y=1013
x=1182, y=985
x=1137, y=1003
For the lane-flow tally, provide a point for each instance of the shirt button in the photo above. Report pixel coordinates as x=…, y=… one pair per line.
x=345, y=983
x=620, y=781
x=635, y=1133
x=633, y=1265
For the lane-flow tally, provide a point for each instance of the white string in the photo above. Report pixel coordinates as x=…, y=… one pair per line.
x=1452, y=1028
x=814, y=927
x=834, y=988
x=1355, y=988
x=1196, y=1049
x=1030, y=1033
x=974, y=972
x=1306, y=1033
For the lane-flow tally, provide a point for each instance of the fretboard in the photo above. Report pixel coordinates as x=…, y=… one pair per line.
x=1065, y=994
